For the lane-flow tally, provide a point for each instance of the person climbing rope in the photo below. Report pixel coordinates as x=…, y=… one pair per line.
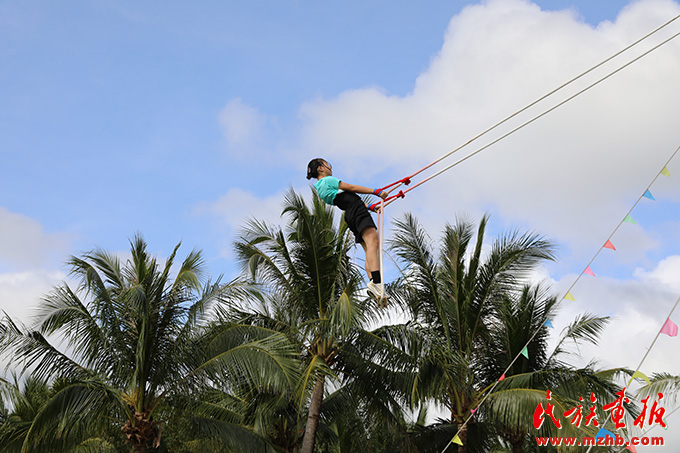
x=357, y=216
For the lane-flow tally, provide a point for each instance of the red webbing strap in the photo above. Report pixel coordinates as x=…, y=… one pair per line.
x=406, y=180
x=374, y=205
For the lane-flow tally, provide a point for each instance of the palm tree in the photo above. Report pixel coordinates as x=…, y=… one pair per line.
x=310, y=291
x=23, y=403
x=521, y=320
x=132, y=337
x=662, y=389
x=476, y=309
x=452, y=299
x=25, y=399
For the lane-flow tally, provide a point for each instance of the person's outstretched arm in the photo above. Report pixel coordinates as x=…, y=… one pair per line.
x=360, y=189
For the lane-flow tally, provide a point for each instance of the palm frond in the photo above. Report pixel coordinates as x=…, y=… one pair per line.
x=664, y=384
x=586, y=328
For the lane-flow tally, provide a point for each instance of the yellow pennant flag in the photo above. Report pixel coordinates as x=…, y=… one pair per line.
x=640, y=374
x=568, y=296
x=665, y=172
x=456, y=440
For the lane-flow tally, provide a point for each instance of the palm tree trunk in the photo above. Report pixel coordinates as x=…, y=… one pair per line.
x=313, y=417
x=517, y=442
x=463, y=438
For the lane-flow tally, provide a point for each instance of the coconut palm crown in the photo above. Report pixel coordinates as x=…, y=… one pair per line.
x=312, y=292
x=126, y=338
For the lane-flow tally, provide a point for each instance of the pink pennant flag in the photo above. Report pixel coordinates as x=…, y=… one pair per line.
x=670, y=328
x=502, y=377
x=609, y=245
x=472, y=411
x=589, y=271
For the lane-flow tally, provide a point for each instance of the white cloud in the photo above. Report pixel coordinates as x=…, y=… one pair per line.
x=24, y=244
x=639, y=308
x=572, y=174
x=242, y=125
x=29, y=257
x=236, y=207
x=21, y=292
x=665, y=275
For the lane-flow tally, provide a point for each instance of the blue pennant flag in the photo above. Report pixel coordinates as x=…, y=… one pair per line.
x=648, y=194
x=548, y=323
x=604, y=433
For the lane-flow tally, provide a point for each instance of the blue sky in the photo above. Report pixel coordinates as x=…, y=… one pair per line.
x=109, y=109
x=180, y=122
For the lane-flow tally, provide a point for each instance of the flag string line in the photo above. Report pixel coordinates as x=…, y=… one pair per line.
x=641, y=362
x=568, y=292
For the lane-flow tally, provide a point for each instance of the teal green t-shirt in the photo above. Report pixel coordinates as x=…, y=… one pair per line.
x=327, y=188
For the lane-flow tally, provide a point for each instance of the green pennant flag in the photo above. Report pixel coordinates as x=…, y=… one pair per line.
x=525, y=352
x=629, y=219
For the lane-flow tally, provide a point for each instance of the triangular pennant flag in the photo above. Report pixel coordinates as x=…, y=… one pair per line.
x=502, y=377
x=456, y=440
x=568, y=296
x=589, y=271
x=631, y=448
x=604, y=433
x=472, y=411
x=643, y=376
x=665, y=172
x=670, y=328
x=548, y=323
x=629, y=219
x=525, y=352
x=609, y=245
x=648, y=194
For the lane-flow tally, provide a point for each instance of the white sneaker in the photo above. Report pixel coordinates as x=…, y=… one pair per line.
x=377, y=292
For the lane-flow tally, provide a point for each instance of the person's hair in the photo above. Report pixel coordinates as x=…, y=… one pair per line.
x=313, y=167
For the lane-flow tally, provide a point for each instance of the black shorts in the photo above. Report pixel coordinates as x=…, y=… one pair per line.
x=357, y=215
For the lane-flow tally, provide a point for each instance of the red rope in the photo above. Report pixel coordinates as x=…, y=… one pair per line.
x=406, y=180
x=401, y=194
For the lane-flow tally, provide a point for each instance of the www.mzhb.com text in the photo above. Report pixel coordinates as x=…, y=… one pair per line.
x=598, y=441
